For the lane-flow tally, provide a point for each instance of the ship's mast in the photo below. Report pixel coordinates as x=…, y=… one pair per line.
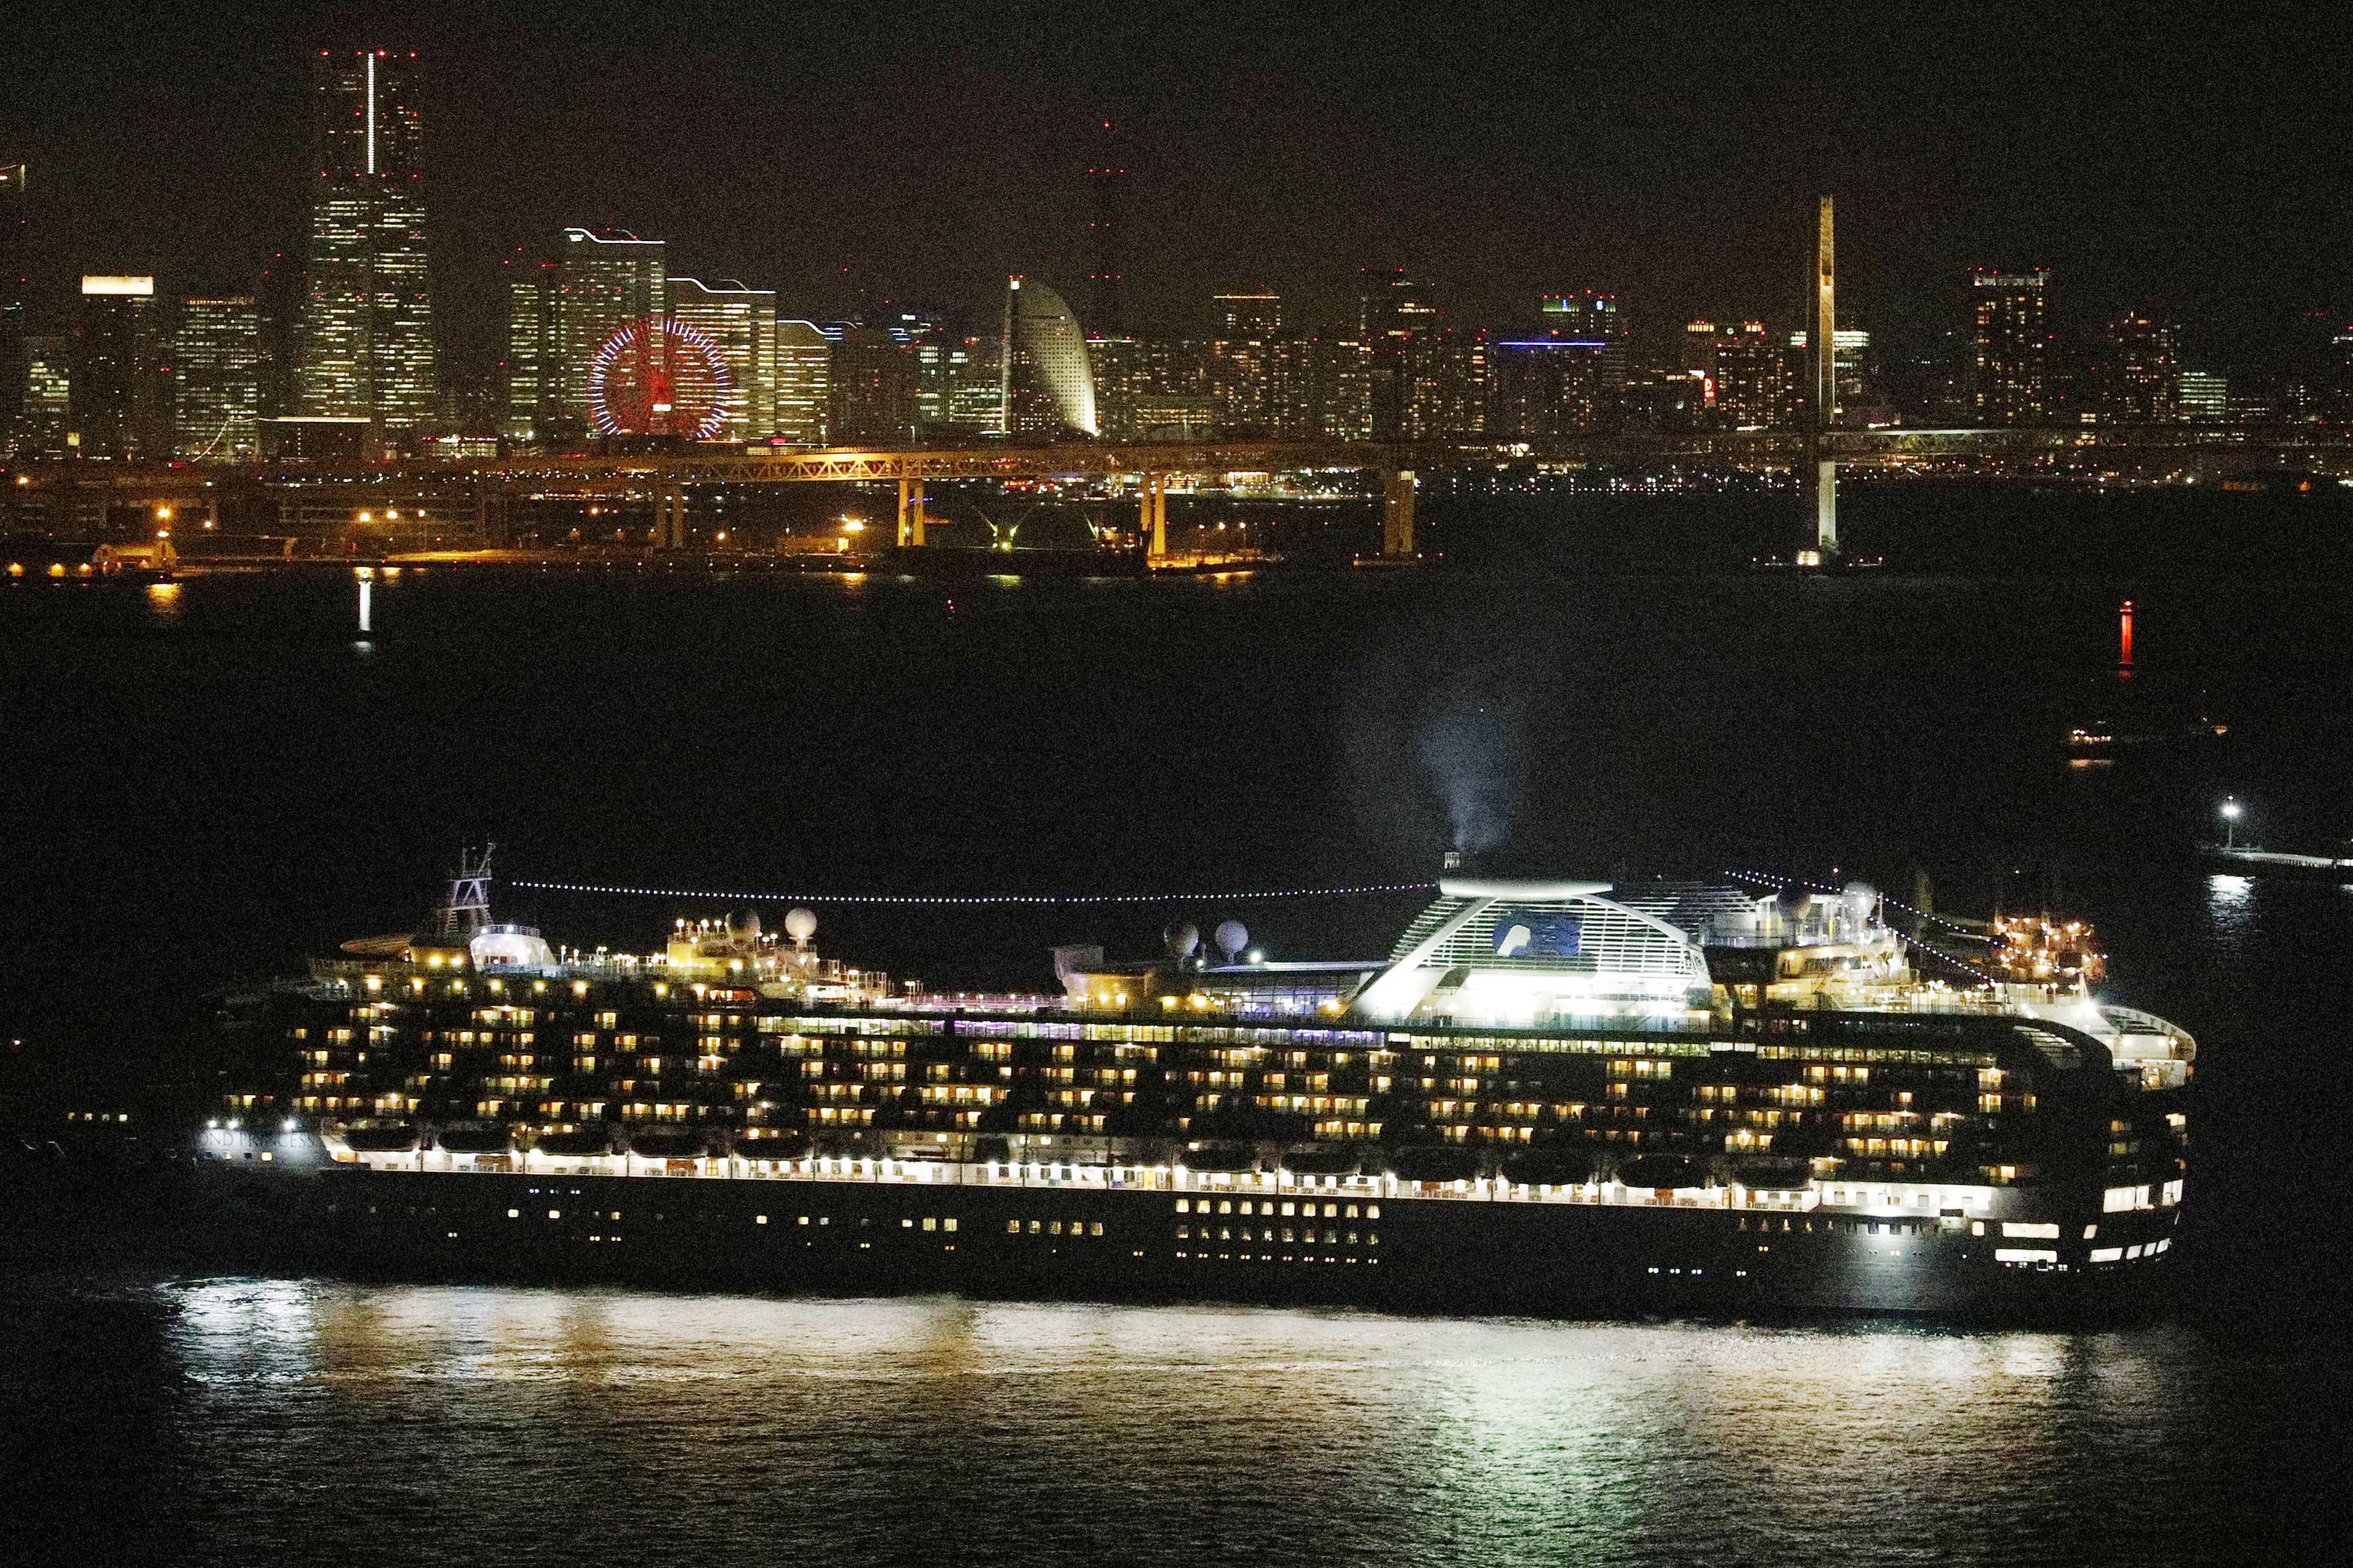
x=468, y=909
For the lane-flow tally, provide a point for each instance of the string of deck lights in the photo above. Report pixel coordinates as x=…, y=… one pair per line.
x=970, y=899
x=1914, y=941
x=1883, y=898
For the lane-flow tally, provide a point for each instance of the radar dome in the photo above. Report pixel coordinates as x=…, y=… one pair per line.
x=1182, y=938
x=1232, y=936
x=744, y=926
x=800, y=923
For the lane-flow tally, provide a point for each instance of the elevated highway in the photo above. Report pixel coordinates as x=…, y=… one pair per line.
x=480, y=488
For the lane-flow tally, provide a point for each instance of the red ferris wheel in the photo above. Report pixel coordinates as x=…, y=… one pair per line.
x=659, y=376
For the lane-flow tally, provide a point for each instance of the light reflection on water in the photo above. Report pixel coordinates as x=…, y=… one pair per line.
x=875, y=1430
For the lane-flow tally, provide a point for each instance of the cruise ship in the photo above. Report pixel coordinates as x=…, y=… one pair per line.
x=1550, y=1096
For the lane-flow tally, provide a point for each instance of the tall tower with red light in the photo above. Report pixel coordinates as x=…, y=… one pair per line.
x=1107, y=234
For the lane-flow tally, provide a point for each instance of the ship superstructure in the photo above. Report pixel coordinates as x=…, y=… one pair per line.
x=1569, y=1092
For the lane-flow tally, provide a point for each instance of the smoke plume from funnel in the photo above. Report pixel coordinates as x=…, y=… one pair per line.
x=1472, y=759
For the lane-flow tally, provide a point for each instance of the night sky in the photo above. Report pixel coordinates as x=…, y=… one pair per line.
x=2175, y=158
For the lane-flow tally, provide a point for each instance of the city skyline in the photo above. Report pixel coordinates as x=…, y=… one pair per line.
x=1503, y=181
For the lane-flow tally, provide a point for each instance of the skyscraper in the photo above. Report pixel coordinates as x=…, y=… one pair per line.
x=2202, y=397
x=1242, y=359
x=1323, y=389
x=120, y=384
x=16, y=265
x=1426, y=380
x=1851, y=362
x=1550, y=386
x=1396, y=323
x=280, y=292
x=368, y=346
x=1588, y=315
x=531, y=367
x=2133, y=371
x=1107, y=235
x=16, y=282
x=742, y=322
x=1757, y=386
x=216, y=380
x=44, y=412
x=874, y=383
x=609, y=279
x=1049, y=387
x=2010, y=365
x=1254, y=313
x=804, y=384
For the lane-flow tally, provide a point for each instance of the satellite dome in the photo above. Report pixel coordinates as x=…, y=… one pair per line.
x=1232, y=936
x=1182, y=937
x=800, y=923
x=744, y=926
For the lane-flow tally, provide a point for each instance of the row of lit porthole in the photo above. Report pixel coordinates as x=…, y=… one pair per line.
x=1269, y=1258
x=1310, y=1237
x=1268, y=1207
x=1053, y=1227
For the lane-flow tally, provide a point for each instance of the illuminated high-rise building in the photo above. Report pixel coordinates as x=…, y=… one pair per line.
x=874, y=385
x=120, y=407
x=2202, y=397
x=279, y=292
x=1398, y=327
x=609, y=278
x=1849, y=365
x=45, y=402
x=15, y=284
x=1757, y=383
x=1564, y=380
x=2134, y=367
x=16, y=265
x=1242, y=359
x=1323, y=389
x=957, y=390
x=2010, y=367
x=1257, y=313
x=1588, y=315
x=1048, y=387
x=1427, y=379
x=804, y=384
x=976, y=401
x=367, y=336
x=743, y=323
x=1550, y=386
x=216, y=380
x=1116, y=366
x=531, y=368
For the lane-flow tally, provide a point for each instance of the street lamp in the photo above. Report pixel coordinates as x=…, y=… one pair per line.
x=2231, y=809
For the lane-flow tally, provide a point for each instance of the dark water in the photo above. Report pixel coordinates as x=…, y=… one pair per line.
x=281, y=1421
x=217, y=780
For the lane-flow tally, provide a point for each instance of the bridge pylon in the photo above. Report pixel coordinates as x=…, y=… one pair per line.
x=669, y=517
x=1397, y=486
x=1153, y=518
x=911, y=516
